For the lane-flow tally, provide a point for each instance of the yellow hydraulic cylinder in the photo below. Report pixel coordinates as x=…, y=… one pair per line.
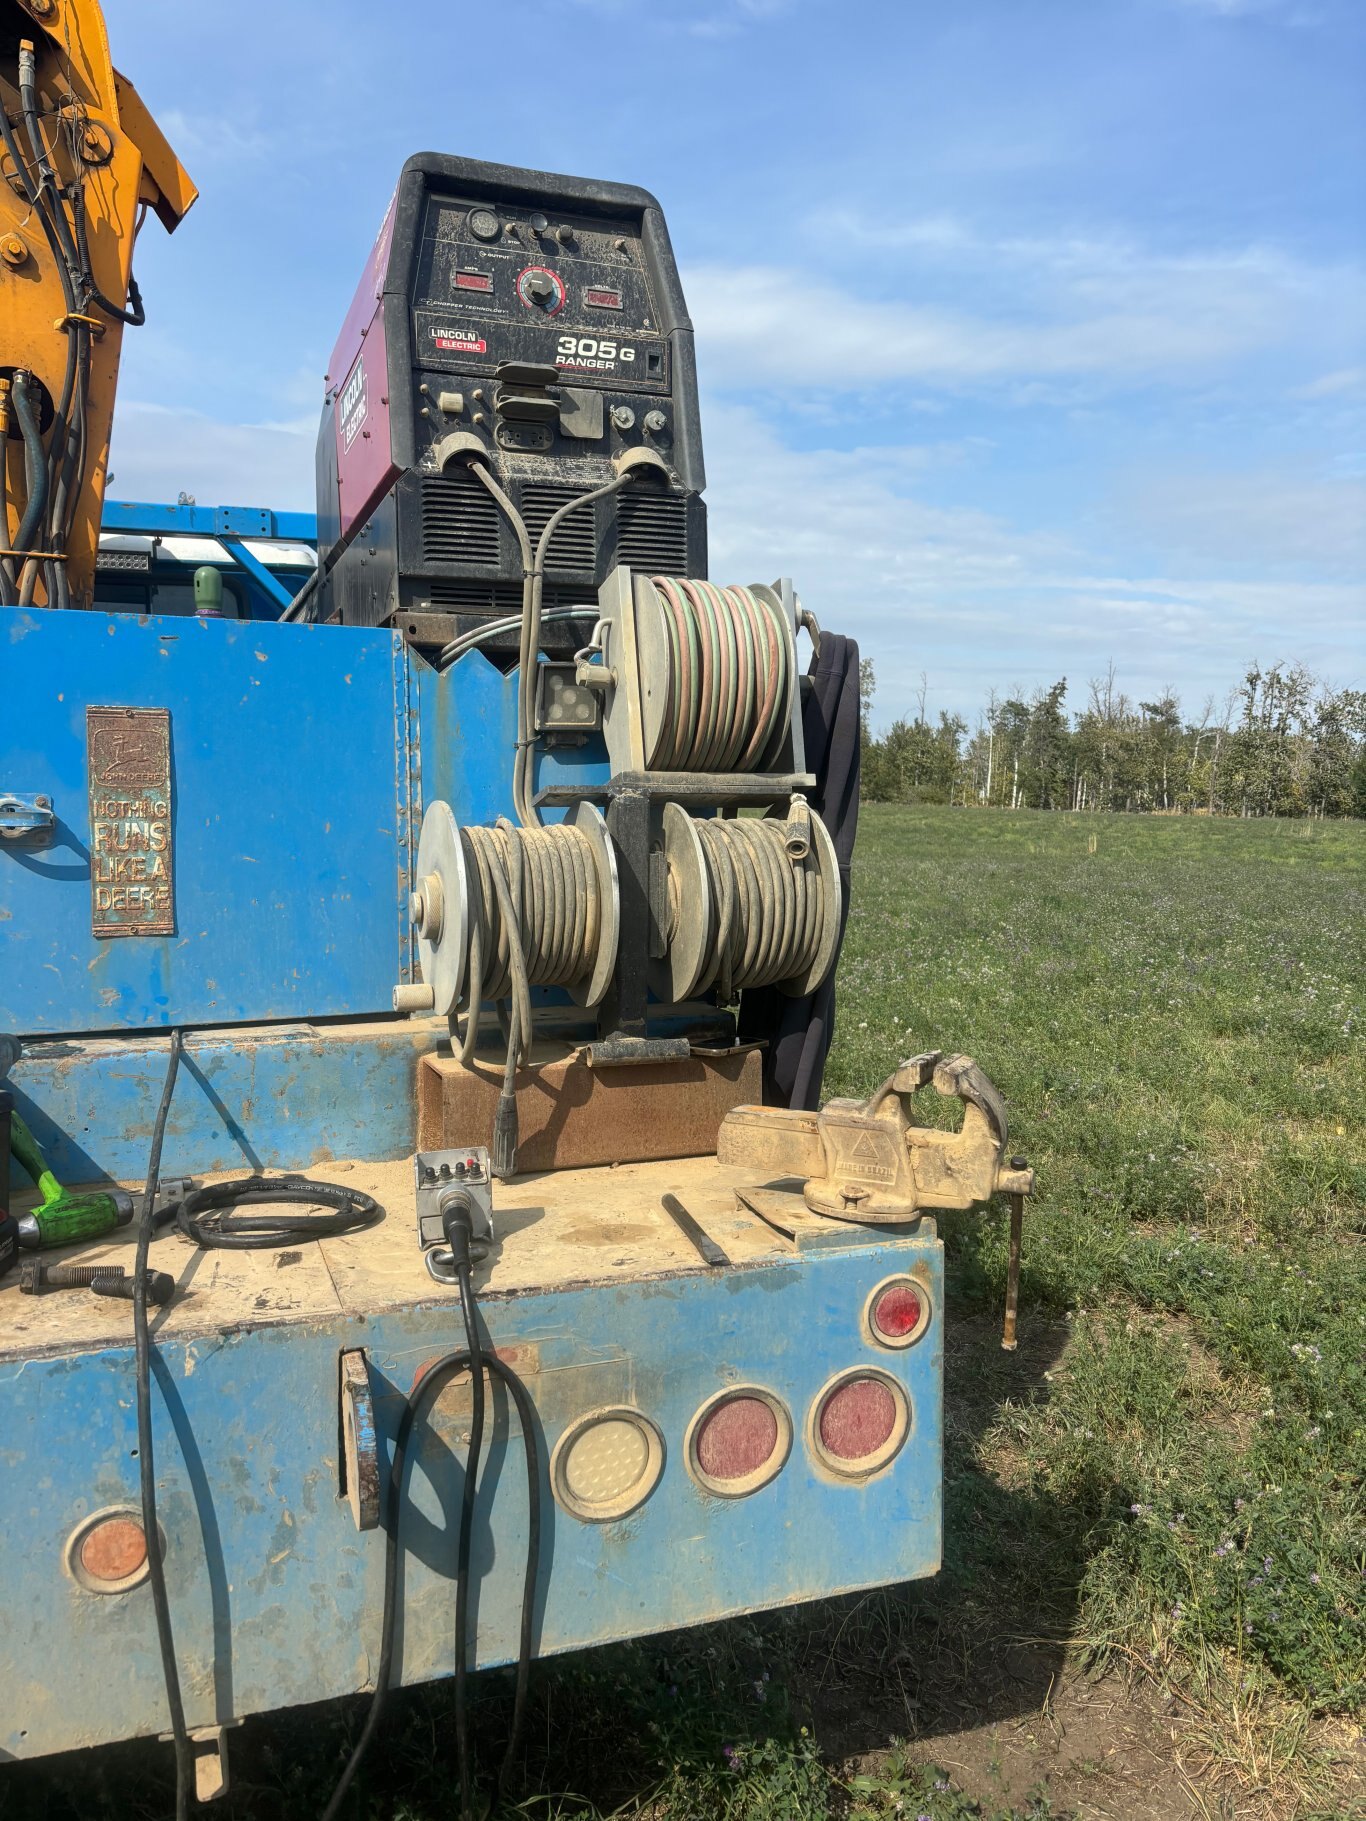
x=81, y=163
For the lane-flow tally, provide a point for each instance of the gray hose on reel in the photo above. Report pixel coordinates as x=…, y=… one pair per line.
x=535, y=920
x=769, y=908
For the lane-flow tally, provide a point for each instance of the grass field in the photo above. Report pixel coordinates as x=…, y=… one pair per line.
x=1155, y=1518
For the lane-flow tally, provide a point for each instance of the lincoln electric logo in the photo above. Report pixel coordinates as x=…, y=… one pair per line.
x=355, y=405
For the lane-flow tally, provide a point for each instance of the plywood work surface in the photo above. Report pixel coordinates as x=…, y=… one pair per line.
x=572, y=1226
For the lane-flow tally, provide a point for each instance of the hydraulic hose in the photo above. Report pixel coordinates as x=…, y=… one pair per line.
x=35, y=467
x=47, y=186
x=7, y=579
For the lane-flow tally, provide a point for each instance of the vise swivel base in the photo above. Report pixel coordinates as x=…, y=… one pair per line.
x=869, y=1160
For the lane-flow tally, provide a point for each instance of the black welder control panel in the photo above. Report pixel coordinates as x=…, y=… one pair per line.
x=566, y=290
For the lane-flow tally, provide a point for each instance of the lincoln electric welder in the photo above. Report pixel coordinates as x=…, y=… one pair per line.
x=400, y=941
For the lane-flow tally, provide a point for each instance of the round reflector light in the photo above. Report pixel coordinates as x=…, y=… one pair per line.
x=107, y=1551
x=898, y=1312
x=606, y=1464
x=738, y=1441
x=859, y=1422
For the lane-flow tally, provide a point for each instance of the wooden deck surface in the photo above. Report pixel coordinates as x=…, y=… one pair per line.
x=572, y=1226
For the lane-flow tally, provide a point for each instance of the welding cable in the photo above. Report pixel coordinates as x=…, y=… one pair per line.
x=533, y=589
x=514, y=518
x=514, y=871
x=492, y=629
x=204, y=1220
x=768, y=909
x=432, y=1383
x=522, y=781
x=731, y=676
x=142, y=1368
x=302, y=598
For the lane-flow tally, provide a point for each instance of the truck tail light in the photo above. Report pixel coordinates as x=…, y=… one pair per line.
x=897, y=1312
x=738, y=1441
x=606, y=1464
x=859, y=1422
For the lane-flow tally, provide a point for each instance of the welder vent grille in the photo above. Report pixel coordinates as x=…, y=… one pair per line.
x=652, y=531
x=470, y=594
x=575, y=544
x=459, y=521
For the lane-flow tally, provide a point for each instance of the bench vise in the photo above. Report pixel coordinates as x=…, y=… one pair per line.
x=871, y=1160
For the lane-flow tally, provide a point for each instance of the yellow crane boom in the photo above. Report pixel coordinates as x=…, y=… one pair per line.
x=81, y=163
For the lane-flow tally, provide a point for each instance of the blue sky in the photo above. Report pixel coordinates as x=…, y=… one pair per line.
x=1032, y=333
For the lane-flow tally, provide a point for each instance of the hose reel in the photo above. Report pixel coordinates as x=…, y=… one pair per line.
x=551, y=893
x=696, y=677
x=746, y=903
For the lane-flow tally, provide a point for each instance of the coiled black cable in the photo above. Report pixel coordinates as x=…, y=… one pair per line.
x=433, y=1382
x=204, y=1219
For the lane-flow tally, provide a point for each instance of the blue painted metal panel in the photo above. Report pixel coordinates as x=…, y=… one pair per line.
x=278, y=1097
x=151, y=519
x=270, y=585
x=291, y=749
x=276, y=1598
x=468, y=736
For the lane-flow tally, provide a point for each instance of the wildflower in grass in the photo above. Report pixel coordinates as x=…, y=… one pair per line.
x=1313, y=1580
x=729, y=1753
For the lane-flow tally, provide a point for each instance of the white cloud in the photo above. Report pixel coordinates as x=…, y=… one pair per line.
x=1275, y=520
x=1105, y=310
x=159, y=451
x=977, y=602
x=1346, y=380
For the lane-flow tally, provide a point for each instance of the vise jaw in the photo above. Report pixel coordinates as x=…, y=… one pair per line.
x=871, y=1160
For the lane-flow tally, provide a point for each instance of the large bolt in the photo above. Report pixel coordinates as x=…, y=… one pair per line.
x=160, y=1286
x=41, y=9
x=13, y=251
x=37, y=1276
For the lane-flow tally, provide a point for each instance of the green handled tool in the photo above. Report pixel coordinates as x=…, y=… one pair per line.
x=61, y=1219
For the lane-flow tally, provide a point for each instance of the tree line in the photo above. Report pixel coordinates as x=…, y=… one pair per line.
x=1281, y=744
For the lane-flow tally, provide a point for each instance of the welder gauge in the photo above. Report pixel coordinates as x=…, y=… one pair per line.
x=444, y=890
x=483, y=224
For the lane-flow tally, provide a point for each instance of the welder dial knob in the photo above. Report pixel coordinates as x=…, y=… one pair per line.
x=541, y=289
x=484, y=224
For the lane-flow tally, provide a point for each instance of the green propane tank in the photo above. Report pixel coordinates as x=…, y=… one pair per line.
x=208, y=593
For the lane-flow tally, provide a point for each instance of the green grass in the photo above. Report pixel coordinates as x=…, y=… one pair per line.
x=1167, y=1478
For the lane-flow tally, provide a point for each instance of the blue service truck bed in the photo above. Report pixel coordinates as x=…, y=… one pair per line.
x=700, y=1427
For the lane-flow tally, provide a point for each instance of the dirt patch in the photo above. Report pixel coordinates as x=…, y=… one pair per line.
x=1099, y=1750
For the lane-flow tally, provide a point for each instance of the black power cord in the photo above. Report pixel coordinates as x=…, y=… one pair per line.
x=203, y=1217
x=476, y=1361
x=142, y=1368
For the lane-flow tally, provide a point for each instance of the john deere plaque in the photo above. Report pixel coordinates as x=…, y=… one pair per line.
x=128, y=755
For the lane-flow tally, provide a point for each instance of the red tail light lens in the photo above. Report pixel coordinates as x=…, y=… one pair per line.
x=739, y=1441
x=897, y=1312
x=860, y=1422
